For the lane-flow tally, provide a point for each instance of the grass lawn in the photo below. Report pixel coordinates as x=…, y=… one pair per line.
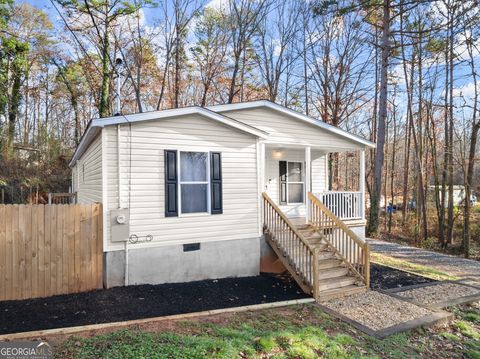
x=418, y=269
x=301, y=331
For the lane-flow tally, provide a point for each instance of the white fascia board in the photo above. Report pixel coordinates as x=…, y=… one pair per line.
x=87, y=138
x=292, y=113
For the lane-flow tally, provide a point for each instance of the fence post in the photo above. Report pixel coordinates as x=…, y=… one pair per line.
x=49, y=198
x=367, y=265
x=316, y=284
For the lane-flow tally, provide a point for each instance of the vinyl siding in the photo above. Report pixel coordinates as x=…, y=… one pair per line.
x=87, y=174
x=284, y=129
x=319, y=172
x=142, y=180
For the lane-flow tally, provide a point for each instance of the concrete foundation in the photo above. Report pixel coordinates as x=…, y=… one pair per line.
x=171, y=264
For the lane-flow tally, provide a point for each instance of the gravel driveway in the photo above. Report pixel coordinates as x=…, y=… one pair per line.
x=452, y=265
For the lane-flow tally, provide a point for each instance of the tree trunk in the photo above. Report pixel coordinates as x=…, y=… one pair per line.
x=382, y=115
x=104, y=111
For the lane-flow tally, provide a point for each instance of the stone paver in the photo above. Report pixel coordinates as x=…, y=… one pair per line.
x=459, y=267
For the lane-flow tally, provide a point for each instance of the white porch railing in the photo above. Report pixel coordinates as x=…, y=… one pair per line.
x=344, y=205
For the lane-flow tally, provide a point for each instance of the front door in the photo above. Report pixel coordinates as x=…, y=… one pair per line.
x=292, y=182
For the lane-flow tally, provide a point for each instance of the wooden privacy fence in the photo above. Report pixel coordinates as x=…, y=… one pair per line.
x=50, y=249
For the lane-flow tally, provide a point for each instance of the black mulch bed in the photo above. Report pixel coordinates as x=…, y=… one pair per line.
x=382, y=277
x=147, y=301
x=143, y=301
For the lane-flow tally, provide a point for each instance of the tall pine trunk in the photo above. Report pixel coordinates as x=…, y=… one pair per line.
x=382, y=115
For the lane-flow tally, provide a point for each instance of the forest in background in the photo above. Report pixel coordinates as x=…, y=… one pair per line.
x=401, y=73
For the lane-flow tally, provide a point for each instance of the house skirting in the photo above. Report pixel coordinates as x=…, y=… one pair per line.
x=357, y=227
x=177, y=264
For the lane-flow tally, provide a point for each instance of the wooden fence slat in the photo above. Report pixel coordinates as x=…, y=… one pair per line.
x=28, y=240
x=93, y=245
x=53, y=249
x=83, y=247
x=59, y=249
x=9, y=252
x=47, y=258
x=34, y=251
x=3, y=251
x=88, y=252
x=99, y=270
x=17, y=268
x=68, y=249
x=41, y=292
x=77, y=247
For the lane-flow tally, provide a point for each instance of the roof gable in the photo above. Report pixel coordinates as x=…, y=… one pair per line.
x=294, y=114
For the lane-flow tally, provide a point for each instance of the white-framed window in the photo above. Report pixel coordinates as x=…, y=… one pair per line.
x=194, y=182
x=295, y=182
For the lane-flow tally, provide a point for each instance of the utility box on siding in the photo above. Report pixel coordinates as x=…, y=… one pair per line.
x=119, y=225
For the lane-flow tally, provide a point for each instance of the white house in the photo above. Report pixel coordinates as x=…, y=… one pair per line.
x=188, y=194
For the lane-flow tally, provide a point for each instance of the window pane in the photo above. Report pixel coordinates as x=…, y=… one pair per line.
x=295, y=172
x=194, y=198
x=295, y=193
x=193, y=166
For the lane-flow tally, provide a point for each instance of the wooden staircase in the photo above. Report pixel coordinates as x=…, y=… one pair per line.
x=317, y=255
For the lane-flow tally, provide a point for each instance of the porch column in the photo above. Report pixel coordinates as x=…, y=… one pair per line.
x=308, y=179
x=362, y=183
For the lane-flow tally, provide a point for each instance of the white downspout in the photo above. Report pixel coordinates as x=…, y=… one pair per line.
x=260, y=147
x=119, y=188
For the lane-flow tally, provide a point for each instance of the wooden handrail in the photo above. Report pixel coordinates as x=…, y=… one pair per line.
x=335, y=219
x=345, y=243
x=298, y=256
x=287, y=221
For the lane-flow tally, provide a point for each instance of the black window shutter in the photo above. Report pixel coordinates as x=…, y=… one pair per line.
x=283, y=181
x=171, y=183
x=216, y=182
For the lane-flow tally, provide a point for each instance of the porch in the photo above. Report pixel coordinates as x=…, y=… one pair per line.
x=316, y=233
x=288, y=173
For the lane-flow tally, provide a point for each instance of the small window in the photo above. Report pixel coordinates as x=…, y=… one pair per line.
x=295, y=182
x=194, y=183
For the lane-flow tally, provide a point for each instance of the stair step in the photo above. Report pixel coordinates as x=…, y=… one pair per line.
x=336, y=282
x=304, y=227
x=341, y=292
x=329, y=263
x=326, y=255
x=333, y=273
x=313, y=236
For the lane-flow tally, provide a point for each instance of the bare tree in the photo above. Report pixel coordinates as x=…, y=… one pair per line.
x=275, y=44
x=244, y=19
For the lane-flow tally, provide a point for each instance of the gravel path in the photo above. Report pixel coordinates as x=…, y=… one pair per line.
x=452, y=265
x=376, y=310
x=438, y=293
